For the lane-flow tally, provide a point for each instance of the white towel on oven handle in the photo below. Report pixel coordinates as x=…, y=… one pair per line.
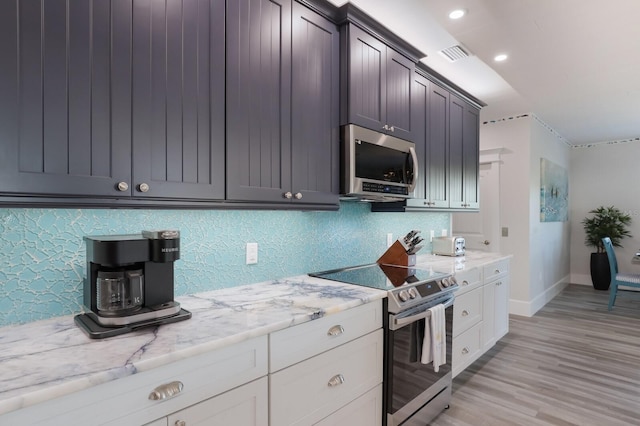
x=434, y=348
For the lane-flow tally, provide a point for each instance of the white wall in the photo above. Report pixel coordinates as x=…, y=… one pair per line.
x=604, y=175
x=549, y=242
x=540, y=266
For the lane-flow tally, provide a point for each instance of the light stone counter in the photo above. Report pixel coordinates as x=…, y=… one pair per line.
x=453, y=264
x=47, y=359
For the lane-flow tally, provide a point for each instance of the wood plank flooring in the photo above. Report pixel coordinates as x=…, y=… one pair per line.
x=573, y=363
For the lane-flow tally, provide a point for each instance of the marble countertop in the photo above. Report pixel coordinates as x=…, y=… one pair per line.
x=48, y=359
x=453, y=264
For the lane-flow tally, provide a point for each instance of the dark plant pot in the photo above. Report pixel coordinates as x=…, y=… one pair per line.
x=600, y=272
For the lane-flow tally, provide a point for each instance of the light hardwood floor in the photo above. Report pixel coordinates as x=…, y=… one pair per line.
x=572, y=363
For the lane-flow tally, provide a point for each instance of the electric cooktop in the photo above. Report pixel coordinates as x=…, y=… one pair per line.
x=407, y=286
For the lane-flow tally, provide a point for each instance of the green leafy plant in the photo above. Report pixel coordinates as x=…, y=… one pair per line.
x=606, y=222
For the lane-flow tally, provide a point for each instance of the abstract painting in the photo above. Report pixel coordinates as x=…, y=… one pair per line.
x=554, y=192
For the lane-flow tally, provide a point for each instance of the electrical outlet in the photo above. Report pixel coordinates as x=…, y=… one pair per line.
x=432, y=234
x=444, y=233
x=389, y=239
x=252, y=253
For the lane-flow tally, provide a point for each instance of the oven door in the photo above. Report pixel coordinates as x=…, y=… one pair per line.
x=414, y=392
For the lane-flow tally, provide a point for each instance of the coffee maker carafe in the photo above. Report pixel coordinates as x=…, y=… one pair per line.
x=129, y=283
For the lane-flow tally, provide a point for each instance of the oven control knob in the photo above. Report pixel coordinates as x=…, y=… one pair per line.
x=453, y=281
x=403, y=295
x=413, y=293
x=444, y=282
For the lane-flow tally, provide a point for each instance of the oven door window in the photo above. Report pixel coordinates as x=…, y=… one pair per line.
x=407, y=376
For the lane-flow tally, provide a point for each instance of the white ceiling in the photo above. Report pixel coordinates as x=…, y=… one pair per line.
x=575, y=64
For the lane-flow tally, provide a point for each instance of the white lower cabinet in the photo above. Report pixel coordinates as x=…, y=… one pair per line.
x=129, y=400
x=496, y=308
x=247, y=405
x=481, y=312
x=363, y=411
x=325, y=383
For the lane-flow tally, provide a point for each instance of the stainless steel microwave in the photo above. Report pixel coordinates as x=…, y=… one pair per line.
x=376, y=166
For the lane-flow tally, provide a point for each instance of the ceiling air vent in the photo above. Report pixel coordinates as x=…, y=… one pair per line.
x=455, y=53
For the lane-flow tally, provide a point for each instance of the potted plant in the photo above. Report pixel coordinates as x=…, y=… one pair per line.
x=606, y=222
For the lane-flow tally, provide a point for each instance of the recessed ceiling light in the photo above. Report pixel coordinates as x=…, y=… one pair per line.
x=500, y=58
x=457, y=14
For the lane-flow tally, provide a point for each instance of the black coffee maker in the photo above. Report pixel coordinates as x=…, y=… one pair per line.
x=129, y=283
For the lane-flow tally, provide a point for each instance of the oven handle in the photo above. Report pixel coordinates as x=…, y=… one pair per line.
x=400, y=322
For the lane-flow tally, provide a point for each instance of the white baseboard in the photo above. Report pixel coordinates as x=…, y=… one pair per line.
x=529, y=308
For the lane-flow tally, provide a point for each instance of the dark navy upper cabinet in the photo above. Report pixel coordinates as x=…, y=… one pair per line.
x=463, y=154
x=377, y=84
x=315, y=131
x=112, y=99
x=178, y=99
x=65, y=97
x=258, y=100
x=431, y=117
x=282, y=104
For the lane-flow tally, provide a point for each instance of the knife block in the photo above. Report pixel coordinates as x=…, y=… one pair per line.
x=396, y=254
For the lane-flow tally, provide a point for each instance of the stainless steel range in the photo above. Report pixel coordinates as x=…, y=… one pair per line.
x=414, y=393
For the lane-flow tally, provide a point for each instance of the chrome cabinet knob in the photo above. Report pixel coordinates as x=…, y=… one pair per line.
x=486, y=242
x=122, y=186
x=298, y=195
x=180, y=423
x=143, y=187
x=336, y=380
x=465, y=313
x=288, y=195
x=336, y=330
x=392, y=129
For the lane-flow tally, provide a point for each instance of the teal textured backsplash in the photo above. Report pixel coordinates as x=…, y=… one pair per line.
x=43, y=255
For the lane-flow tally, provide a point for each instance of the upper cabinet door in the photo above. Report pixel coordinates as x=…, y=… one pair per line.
x=65, y=97
x=471, y=157
x=456, y=153
x=178, y=98
x=400, y=71
x=367, y=76
x=258, y=100
x=380, y=82
x=315, y=132
x=437, y=163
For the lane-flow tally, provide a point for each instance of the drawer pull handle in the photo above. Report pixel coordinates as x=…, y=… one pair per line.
x=166, y=391
x=336, y=380
x=497, y=271
x=499, y=283
x=465, y=351
x=336, y=330
x=465, y=282
x=465, y=313
x=180, y=423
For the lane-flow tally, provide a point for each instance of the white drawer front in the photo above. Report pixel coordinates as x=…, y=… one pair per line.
x=466, y=348
x=303, y=341
x=496, y=269
x=364, y=411
x=467, y=311
x=247, y=405
x=126, y=400
x=468, y=279
x=311, y=390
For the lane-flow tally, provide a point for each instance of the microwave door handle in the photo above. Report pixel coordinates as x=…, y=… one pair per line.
x=414, y=157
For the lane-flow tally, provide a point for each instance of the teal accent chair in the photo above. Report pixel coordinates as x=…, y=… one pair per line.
x=617, y=279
